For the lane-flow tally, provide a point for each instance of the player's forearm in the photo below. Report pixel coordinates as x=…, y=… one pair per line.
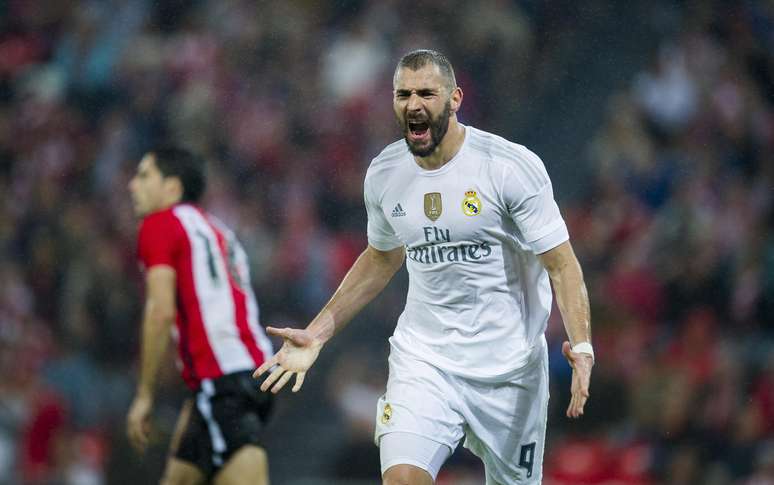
x=365, y=279
x=573, y=301
x=155, y=339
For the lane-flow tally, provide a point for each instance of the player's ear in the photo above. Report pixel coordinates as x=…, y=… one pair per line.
x=456, y=99
x=173, y=187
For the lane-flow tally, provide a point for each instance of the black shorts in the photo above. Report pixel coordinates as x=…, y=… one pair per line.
x=228, y=413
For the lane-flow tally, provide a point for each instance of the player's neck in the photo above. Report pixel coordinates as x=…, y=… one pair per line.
x=165, y=204
x=171, y=200
x=446, y=150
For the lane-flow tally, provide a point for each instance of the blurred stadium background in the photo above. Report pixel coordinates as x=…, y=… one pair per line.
x=654, y=118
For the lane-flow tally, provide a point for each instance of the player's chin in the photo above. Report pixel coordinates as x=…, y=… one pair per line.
x=139, y=210
x=420, y=148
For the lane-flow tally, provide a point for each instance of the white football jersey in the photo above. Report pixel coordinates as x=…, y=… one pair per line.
x=478, y=298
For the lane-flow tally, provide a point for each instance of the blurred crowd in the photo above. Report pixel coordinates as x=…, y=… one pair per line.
x=676, y=237
x=290, y=101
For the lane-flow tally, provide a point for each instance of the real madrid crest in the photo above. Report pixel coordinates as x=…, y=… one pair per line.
x=471, y=204
x=386, y=413
x=433, y=206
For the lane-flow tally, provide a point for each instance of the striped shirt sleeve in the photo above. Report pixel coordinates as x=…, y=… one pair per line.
x=157, y=242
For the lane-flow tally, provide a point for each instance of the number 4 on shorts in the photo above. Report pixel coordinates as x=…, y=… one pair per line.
x=527, y=457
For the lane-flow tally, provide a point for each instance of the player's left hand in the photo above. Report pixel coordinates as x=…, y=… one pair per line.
x=299, y=351
x=581, y=376
x=138, y=423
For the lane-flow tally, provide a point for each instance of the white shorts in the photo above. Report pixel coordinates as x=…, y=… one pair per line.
x=504, y=424
x=412, y=449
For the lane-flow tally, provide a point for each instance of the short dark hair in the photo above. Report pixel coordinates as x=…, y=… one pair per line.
x=173, y=161
x=419, y=58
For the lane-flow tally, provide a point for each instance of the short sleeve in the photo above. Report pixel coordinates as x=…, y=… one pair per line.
x=380, y=233
x=536, y=215
x=158, y=241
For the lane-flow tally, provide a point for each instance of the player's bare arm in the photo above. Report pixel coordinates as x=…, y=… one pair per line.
x=367, y=277
x=158, y=318
x=573, y=301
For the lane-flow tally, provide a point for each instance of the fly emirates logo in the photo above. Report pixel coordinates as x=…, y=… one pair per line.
x=438, y=248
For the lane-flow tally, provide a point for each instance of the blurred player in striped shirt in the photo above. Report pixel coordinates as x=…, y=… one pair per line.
x=198, y=291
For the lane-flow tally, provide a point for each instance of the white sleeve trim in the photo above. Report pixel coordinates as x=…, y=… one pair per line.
x=555, y=234
x=533, y=236
x=383, y=244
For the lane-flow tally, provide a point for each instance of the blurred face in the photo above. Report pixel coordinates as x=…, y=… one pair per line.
x=423, y=105
x=150, y=190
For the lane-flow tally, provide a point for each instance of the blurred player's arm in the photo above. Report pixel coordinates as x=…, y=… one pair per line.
x=158, y=318
x=367, y=277
x=573, y=301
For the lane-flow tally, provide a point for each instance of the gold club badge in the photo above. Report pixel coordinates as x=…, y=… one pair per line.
x=433, y=206
x=471, y=204
x=386, y=413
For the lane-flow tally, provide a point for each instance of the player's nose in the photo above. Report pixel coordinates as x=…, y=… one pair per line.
x=414, y=102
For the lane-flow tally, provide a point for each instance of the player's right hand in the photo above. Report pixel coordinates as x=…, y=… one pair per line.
x=138, y=422
x=581, y=376
x=298, y=353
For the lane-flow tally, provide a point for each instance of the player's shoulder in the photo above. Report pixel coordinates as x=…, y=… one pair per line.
x=502, y=150
x=511, y=156
x=221, y=226
x=187, y=214
x=169, y=221
x=159, y=232
x=390, y=157
x=159, y=220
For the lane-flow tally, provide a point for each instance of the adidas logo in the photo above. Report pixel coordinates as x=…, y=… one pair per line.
x=398, y=211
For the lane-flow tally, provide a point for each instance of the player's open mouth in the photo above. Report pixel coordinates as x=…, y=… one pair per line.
x=418, y=130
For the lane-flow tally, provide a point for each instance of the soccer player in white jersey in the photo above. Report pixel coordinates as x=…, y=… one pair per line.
x=473, y=216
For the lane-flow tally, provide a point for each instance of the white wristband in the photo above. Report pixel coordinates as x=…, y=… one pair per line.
x=584, y=348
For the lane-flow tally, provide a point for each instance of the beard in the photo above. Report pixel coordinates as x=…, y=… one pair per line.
x=438, y=127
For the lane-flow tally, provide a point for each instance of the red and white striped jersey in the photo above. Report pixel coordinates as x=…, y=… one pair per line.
x=217, y=329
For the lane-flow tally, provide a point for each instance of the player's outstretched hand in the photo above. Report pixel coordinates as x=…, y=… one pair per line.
x=298, y=353
x=581, y=376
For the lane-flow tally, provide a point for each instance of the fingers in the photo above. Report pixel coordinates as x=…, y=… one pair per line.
x=574, y=410
x=299, y=381
x=577, y=403
x=281, y=377
x=265, y=366
x=281, y=383
x=277, y=332
x=298, y=337
x=138, y=435
x=571, y=408
x=580, y=394
x=276, y=374
x=581, y=376
x=583, y=396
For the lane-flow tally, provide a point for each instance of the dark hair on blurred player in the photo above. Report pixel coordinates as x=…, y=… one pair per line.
x=190, y=168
